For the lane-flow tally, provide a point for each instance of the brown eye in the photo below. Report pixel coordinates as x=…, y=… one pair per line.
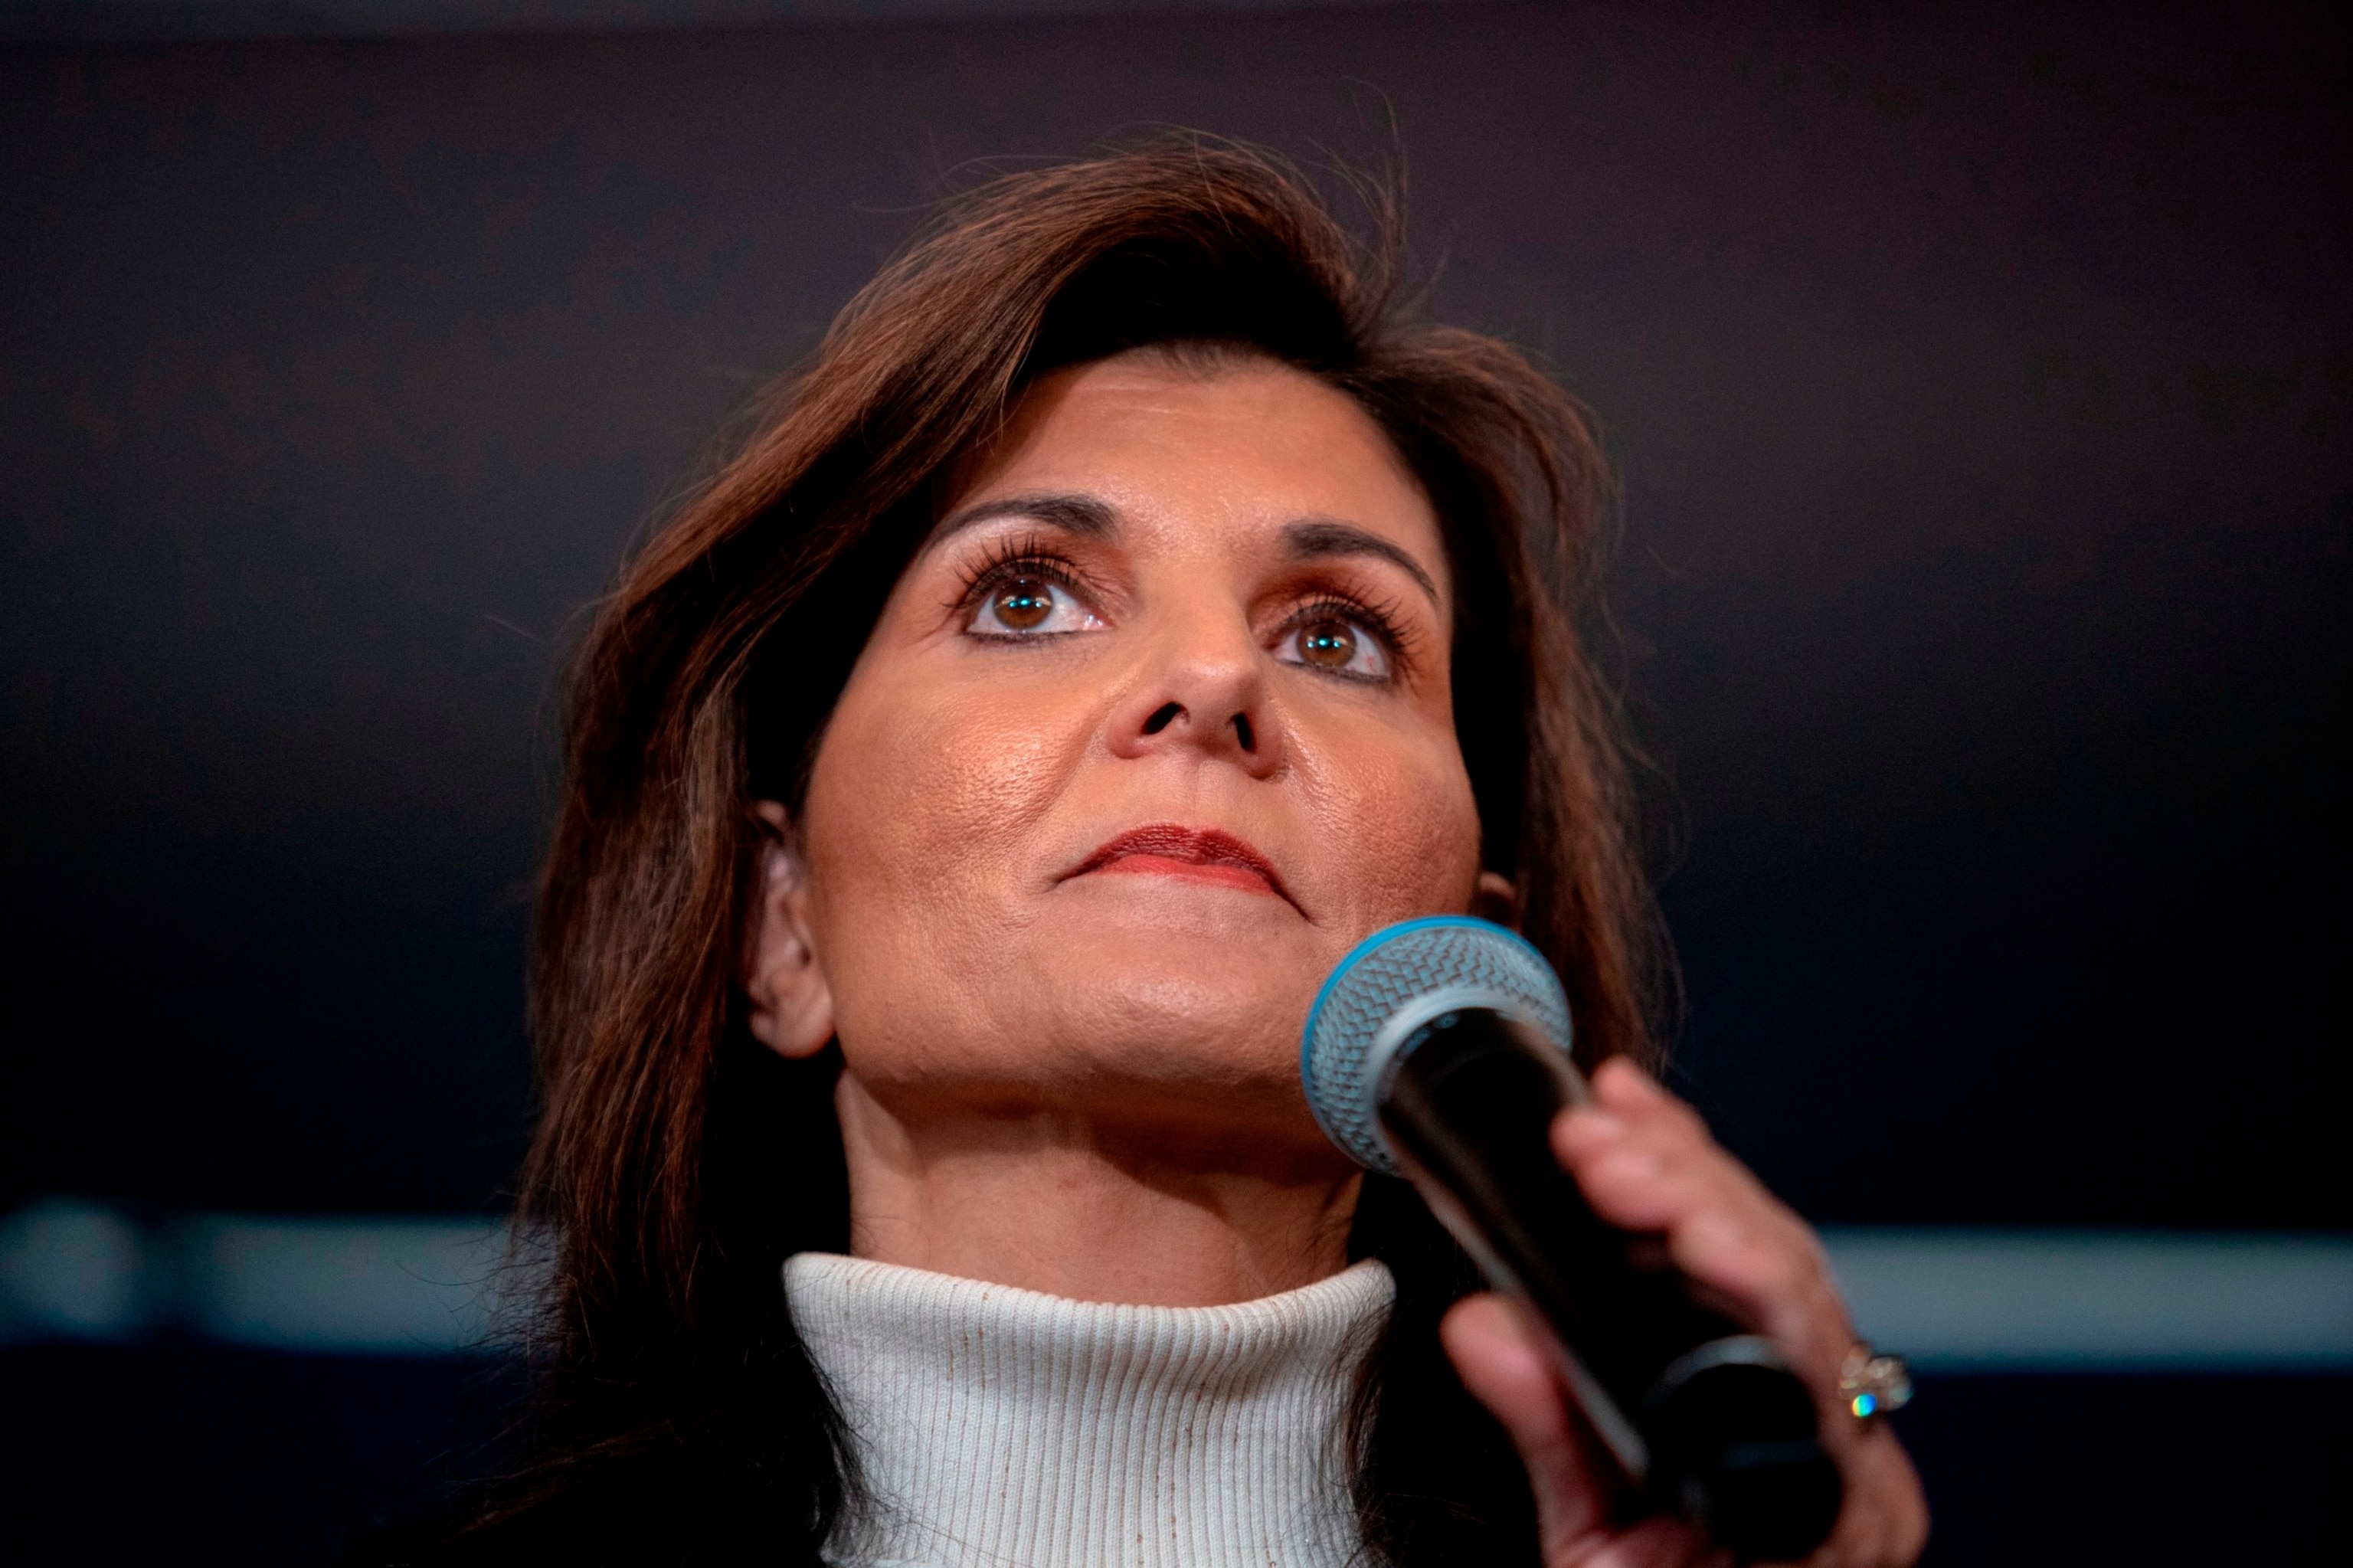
x=1023, y=603
x=1327, y=644
x=1333, y=643
x=1029, y=608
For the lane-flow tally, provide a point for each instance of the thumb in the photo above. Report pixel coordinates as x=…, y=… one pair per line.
x=1508, y=1369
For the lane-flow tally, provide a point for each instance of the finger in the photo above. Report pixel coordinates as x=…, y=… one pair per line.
x=1650, y=1166
x=1757, y=1257
x=1628, y=1108
x=1646, y=1162
x=1638, y=1177
x=1506, y=1368
x=1620, y=1084
x=1640, y=1153
x=1773, y=1272
x=1884, y=1523
x=1659, y=1541
x=1653, y=1173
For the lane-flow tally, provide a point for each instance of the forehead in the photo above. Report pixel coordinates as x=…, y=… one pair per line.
x=1206, y=453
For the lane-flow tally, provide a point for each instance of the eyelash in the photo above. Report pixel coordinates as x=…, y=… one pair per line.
x=1027, y=555
x=1379, y=620
x=1015, y=558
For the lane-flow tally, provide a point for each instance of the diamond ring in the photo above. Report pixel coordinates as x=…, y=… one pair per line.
x=1871, y=1384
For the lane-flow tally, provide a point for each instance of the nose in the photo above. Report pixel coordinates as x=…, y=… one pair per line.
x=1202, y=687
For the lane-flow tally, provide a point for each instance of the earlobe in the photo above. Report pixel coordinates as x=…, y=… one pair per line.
x=792, y=1004
x=1496, y=899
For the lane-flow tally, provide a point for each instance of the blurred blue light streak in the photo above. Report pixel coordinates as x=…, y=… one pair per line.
x=440, y=1286
x=1949, y=1301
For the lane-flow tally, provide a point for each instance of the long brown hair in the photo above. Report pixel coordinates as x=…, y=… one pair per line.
x=679, y=1162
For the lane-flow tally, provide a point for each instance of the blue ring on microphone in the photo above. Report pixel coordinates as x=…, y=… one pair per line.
x=1477, y=960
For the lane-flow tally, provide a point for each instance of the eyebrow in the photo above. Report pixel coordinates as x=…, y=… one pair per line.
x=1320, y=538
x=1081, y=514
x=1309, y=539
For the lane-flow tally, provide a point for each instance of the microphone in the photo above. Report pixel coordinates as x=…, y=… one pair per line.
x=1438, y=1051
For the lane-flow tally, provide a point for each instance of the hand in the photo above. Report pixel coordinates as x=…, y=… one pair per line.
x=1645, y=1162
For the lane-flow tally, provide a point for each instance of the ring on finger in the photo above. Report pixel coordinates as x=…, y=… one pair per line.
x=1871, y=1384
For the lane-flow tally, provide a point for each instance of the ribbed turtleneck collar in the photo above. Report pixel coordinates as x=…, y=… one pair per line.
x=1001, y=1428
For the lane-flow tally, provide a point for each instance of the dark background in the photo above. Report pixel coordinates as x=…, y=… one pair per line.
x=1982, y=388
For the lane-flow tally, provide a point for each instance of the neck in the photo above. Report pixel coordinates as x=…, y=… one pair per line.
x=1091, y=1209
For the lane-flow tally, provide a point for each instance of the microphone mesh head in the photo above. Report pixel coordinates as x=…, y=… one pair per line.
x=1344, y=1054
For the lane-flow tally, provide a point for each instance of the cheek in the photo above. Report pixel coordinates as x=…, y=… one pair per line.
x=1400, y=827
x=921, y=799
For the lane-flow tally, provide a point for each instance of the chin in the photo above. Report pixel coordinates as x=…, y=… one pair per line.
x=1086, y=1003
x=1203, y=964
x=1175, y=1014
x=1198, y=983
x=1182, y=1011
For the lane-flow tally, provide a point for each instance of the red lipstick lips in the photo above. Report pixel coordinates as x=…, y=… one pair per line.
x=1194, y=855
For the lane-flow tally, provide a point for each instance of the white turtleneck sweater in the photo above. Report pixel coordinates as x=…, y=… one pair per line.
x=1001, y=1428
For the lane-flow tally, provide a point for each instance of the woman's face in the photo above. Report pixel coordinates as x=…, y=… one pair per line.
x=1155, y=727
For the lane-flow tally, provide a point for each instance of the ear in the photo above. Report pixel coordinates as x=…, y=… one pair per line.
x=792, y=1004
x=1496, y=899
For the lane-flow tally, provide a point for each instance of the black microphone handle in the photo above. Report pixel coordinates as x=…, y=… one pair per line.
x=1704, y=1416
